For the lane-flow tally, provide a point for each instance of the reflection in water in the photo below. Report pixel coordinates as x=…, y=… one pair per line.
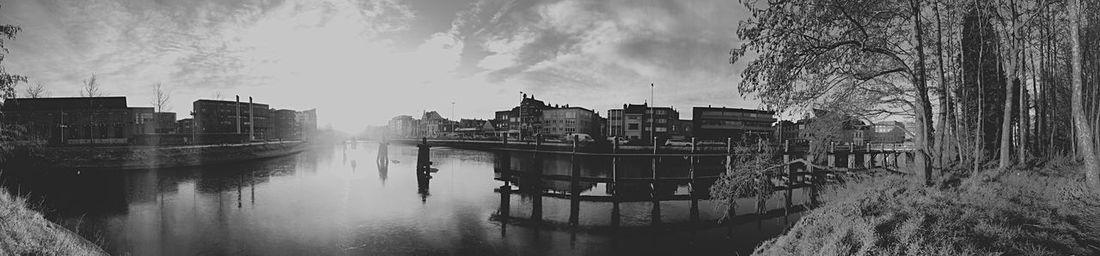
x=383, y=161
x=311, y=204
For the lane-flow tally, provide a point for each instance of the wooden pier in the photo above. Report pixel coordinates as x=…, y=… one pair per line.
x=798, y=170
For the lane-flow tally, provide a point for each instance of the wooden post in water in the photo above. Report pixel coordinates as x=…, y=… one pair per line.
x=614, y=185
x=536, y=177
x=790, y=178
x=656, y=212
x=694, y=211
x=574, y=186
x=814, y=179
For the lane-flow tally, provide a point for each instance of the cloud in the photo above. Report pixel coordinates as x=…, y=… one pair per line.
x=570, y=49
x=362, y=61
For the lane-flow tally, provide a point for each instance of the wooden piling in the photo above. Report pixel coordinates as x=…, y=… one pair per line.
x=656, y=211
x=574, y=186
x=614, y=185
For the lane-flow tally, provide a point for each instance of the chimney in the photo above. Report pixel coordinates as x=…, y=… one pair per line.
x=238, y=117
x=251, y=121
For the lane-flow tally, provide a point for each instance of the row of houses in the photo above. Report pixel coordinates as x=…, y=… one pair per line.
x=638, y=123
x=110, y=121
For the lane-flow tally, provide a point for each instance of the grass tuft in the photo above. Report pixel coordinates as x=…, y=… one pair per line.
x=25, y=232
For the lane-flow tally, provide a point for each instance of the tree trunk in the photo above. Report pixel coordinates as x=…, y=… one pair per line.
x=1084, y=139
x=944, y=101
x=924, y=106
x=1023, y=124
x=1010, y=75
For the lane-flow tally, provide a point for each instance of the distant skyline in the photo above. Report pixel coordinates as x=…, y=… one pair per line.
x=361, y=62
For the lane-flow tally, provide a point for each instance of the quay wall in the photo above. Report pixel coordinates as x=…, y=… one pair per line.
x=149, y=157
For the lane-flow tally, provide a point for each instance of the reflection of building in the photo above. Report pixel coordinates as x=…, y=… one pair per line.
x=560, y=121
x=220, y=117
x=635, y=121
x=711, y=123
x=74, y=120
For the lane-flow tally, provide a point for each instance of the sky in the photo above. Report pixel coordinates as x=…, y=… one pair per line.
x=362, y=62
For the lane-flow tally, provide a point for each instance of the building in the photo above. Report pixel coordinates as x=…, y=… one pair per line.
x=307, y=123
x=504, y=122
x=844, y=129
x=403, y=126
x=285, y=125
x=557, y=122
x=681, y=130
x=433, y=125
x=642, y=122
x=221, y=117
x=145, y=121
x=165, y=122
x=720, y=123
x=75, y=120
x=185, y=126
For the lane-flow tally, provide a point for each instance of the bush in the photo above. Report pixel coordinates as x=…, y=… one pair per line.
x=1043, y=211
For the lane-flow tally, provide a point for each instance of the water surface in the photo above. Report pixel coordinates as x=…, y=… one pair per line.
x=340, y=200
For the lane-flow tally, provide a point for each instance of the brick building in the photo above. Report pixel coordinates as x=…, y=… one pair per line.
x=221, y=117
x=719, y=123
x=77, y=120
x=635, y=122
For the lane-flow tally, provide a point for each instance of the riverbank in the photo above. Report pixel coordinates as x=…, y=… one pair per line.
x=25, y=232
x=1043, y=210
x=149, y=157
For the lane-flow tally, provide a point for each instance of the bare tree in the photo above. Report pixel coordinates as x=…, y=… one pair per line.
x=38, y=90
x=161, y=97
x=91, y=88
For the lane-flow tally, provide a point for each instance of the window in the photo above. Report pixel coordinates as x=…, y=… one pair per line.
x=632, y=126
x=661, y=121
x=662, y=112
x=662, y=129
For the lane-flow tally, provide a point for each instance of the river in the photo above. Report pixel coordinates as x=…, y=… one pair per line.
x=338, y=200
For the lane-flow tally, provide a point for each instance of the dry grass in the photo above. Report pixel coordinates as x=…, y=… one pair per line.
x=25, y=232
x=1041, y=211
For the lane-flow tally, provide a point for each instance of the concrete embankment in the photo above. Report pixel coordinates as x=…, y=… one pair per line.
x=147, y=157
x=591, y=147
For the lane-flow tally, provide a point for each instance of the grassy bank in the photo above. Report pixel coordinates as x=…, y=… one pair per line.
x=1042, y=210
x=25, y=232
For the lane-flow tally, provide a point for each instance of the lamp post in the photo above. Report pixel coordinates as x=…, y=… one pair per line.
x=652, y=116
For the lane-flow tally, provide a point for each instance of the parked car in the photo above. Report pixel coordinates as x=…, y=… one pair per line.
x=677, y=143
